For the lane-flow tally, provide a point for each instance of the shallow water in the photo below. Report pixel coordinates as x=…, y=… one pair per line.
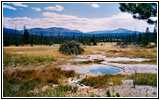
x=110, y=70
x=97, y=69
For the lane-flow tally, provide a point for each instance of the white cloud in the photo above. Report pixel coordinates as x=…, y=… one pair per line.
x=57, y=8
x=49, y=19
x=95, y=5
x=19, y=5
x=36, y=9
x=9, y=7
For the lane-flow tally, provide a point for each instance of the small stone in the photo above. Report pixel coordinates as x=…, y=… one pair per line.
x=110, y=83
x=54, y=85
x=44, y=88
x=35, y=90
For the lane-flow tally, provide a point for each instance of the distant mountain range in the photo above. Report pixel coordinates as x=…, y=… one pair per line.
x=55, y=31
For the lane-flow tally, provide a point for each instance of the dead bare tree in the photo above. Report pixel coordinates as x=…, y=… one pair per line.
x=134, y=80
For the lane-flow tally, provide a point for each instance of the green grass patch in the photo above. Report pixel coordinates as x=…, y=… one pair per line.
x=6, y=59
x=59, y=91
x=144, y=79
x=103, y=81
x=25, y=60
x=15, y=59
x=14, y=88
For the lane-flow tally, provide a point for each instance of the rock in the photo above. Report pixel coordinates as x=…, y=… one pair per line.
x=74, y=83
x=110, y=83
x=44, y=88
x=54, y=85
x=35, y=90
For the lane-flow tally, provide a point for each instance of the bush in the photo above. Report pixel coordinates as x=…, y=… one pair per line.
x=108, y=94
x=71, y=47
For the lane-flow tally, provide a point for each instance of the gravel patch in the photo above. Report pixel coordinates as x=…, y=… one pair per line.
x=127, y=89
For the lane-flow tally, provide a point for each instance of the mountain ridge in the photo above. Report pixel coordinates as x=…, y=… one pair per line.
x=55, y=31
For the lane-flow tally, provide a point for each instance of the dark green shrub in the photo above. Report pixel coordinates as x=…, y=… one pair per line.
x=71, y=47
x=117, y=95
x=64, y=88
x=108, y=94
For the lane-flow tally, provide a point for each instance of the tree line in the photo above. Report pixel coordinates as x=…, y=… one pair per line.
x=35, y=39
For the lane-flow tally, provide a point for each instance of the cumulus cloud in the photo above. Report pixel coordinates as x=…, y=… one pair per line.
x=19, y=5
x=36, y=9
x=9, y=7
x=57, y=8
x=95, y=5
x=50, y=19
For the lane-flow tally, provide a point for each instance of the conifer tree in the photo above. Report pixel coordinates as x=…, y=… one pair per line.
x=26, y=36
x=41, y=38
x=141, y=11
x=94, y=40
x=32, y=40
x=146, y=37
x=155, y=35
x=140, y=38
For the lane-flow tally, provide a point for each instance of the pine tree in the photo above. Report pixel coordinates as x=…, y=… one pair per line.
x=36, y=41
x=140, y=38
x=41, y=38
x=146, y=37
x=26, y=36
x=93, y=40
x=110, y=39
x=32, y=40
x=50, y=39
x=129, y=39
x=134, y=37
x=73, y=37
x=155, y=35
x=141, y=11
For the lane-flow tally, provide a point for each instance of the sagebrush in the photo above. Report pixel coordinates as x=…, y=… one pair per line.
x=71, y=47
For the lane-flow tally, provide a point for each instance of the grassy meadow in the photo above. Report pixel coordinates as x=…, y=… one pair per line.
x=27, y=69
x=28, y=55
x=49, y=55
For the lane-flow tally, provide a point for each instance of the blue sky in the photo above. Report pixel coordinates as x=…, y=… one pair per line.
x=75, y=9
x=85, y=17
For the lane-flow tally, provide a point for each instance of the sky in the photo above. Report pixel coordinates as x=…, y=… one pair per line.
x=85, y=17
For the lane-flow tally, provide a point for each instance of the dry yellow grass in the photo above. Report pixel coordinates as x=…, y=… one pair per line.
x=99, y=49
x=134, y=52
x=35, y=51
x=53, y=74
x=110, y=50
x=35, y=55
x=19, y=82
